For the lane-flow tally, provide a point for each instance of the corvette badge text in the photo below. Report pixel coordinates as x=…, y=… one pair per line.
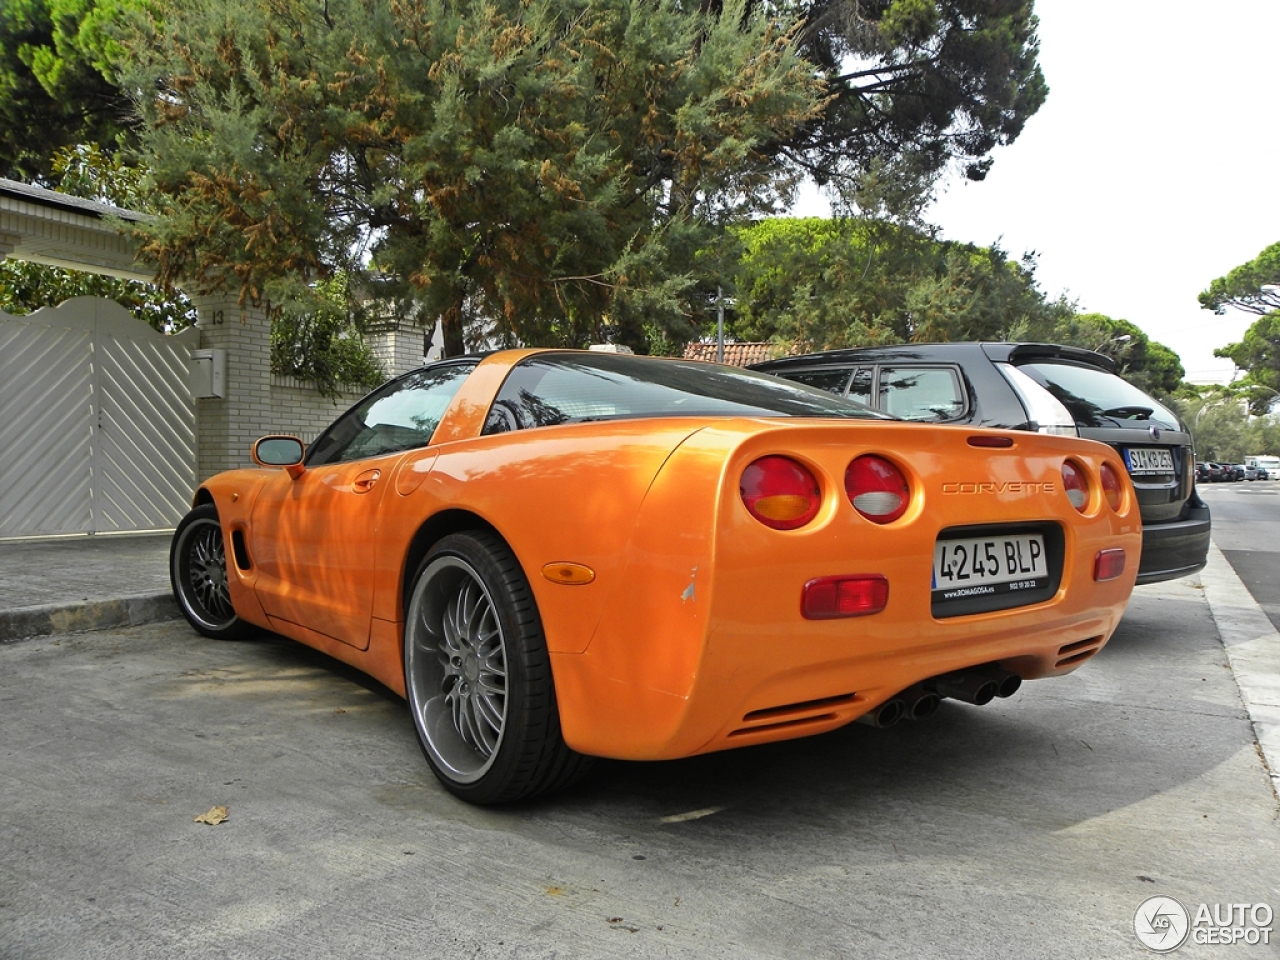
x=1163, y=924
x=1012, y=486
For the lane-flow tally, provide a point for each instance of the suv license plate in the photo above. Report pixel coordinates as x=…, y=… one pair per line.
x=982, y=566
x=1146, y=460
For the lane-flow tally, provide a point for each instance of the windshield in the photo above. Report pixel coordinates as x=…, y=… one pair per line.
x=1096, y=398
x=555, y=388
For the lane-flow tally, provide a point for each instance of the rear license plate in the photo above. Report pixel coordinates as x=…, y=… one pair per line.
x=986, y=566
x=1148, y=460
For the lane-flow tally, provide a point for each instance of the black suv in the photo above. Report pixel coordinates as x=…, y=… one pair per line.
x=1044, y=387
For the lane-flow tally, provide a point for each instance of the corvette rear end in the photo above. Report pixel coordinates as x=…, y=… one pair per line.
x=847, y=572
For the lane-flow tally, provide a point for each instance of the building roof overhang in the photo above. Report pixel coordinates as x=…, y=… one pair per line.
x=44, y=226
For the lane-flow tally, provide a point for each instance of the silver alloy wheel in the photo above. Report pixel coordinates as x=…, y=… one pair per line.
x=456, y=669
x=201, y=574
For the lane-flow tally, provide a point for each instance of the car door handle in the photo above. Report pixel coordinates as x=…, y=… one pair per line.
x=365, y=482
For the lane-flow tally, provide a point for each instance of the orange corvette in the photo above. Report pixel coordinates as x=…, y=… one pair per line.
x=560, y=554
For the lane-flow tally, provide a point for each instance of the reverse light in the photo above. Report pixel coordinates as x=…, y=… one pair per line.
x=780, y=492
x=877, y=489
x=1075, y=485
x=1108, y=564
x=1112, y=489
x=829, y=598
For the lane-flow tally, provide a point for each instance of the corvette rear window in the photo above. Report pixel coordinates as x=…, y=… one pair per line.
x=550, y=389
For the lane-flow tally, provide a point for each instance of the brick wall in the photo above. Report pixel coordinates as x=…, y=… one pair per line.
x=297, y=408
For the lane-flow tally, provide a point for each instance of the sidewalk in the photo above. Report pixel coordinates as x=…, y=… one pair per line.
x=73, y=584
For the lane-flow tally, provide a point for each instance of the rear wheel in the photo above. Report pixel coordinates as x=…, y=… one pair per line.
x=198, y=572
x=478, y=676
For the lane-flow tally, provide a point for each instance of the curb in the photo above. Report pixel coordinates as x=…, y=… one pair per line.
x=31, y=622
x=1253, y=651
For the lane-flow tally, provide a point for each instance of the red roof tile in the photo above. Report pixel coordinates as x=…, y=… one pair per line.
x=735, y=354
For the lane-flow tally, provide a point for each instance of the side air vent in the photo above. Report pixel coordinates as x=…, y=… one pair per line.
x=241, y=550
x=1077, y=652
x=794, y=714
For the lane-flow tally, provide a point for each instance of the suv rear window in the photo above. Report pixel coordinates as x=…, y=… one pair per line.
x=1097, y=398
x=921, y=393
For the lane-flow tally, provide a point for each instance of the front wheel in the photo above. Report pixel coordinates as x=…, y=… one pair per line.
x=198, y=572
x=478, y=676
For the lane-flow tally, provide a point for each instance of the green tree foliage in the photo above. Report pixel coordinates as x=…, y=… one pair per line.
x=325, y=345
x=1222, y=427
x=551, y=168
x=915, y=86
x=57, y=82
x=1258, y=354
x=27, y=287
x=1253, y=287
x=823, y=284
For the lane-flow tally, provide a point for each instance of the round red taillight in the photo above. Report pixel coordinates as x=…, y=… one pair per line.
x=780, y=492
x=877, y=489
x=1075, y=485
x=1112, y=488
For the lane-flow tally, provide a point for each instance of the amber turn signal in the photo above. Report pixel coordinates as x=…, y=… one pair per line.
x=570, y=574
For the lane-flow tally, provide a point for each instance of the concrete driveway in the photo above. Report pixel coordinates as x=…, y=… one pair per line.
x=1033, y=827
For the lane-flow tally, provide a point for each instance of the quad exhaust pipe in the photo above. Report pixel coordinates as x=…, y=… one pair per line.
x=973, y=688
x=885, y=715
x=978, y=686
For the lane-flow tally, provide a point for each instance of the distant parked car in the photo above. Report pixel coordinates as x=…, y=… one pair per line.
x=1208, y=472
x=1040, y=387
x=1216, y=472
x=1251, y=472
x=1235, y=471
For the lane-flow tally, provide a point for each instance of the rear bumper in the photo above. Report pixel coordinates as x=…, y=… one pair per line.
x=1172, y=550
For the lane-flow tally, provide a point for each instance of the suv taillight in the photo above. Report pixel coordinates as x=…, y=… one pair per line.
x=1045, y=410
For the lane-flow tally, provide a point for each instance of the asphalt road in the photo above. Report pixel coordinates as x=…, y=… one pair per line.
x=1246, y=528
x=1033, y=827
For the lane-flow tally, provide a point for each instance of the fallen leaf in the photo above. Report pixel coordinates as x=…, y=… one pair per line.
x=213, y=817
x=691, y=815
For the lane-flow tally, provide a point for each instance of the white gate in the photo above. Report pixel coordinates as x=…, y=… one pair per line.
x=97, y=423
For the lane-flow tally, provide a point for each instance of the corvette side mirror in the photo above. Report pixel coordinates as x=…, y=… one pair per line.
x=280, y=451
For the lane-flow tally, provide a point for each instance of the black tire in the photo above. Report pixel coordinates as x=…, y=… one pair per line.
x=198, y=572
x=478, y=676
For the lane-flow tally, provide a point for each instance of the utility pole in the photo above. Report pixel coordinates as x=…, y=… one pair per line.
x=719, y=325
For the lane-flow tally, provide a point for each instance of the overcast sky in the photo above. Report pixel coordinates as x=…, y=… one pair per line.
x=1152, y=168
